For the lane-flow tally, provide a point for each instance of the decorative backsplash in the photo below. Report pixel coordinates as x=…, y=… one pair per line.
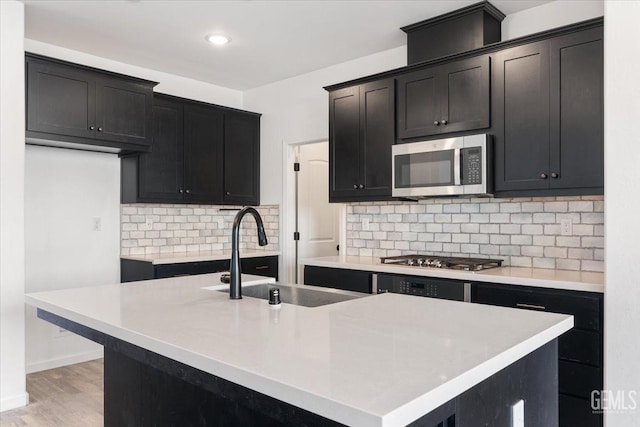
x=188, y=228
x=525, y=232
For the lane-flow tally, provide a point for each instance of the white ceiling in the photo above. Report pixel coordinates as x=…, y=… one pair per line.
x=271, y=40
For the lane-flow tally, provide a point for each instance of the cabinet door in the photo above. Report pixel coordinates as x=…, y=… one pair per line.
x=466, y=105
x=60, y=99
x=377, y=130
x=420, y=95
x=203, y=134
x=344, y=143
x=161, y=170
x=577, y=104
x=241, y=158
x=123, y=111
x=521, y=111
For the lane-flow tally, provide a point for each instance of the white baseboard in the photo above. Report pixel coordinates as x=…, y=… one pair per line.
x=64, y=361
x=13, y=402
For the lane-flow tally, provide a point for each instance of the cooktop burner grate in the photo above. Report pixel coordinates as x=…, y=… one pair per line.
x=451, y=263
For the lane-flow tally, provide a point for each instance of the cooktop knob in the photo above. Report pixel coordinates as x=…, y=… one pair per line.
x=421, y=262
x=411, y=262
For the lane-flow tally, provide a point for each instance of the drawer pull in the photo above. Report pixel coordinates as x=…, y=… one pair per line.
x=262, y=267
x=531, y=306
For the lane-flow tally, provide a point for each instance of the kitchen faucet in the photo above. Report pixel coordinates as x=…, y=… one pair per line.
x=235, y=285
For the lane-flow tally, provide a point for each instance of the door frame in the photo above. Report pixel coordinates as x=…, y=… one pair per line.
x=287, y=217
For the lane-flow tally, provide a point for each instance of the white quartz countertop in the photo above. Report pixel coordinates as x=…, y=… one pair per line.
x=179, y=257
x=380, y=360
x=538, y=277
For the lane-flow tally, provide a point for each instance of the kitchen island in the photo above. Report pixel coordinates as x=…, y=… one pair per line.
x=177, y=353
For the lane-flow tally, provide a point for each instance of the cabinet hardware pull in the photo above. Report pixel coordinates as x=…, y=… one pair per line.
x=361, y=186
x=187, y=191
x=443, y=122
x=228, y=193
x=92, y=127
x=437, y=123
x=543, y=175
x=532, y=306
x=262, y=267
x=180, y=191
x=355, y=186
x=554, y=175
x=99, y=129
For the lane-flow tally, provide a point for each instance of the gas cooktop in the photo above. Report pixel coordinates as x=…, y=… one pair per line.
x=452, y=263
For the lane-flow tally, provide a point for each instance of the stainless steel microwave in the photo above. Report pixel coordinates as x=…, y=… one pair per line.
x=457, y=166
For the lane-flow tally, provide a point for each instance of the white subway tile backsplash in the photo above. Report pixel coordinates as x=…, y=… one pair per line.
x=185, y=228
x=524, y=232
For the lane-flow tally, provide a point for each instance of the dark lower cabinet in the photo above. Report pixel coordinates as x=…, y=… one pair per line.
x=72, y=104
x=338, y=278
x=201, y=153
x=580, y=350
x=361, y=134
x=548, y=110
x=134, y=270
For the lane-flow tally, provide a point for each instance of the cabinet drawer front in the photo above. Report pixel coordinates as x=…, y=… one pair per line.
x=581, y=346
x=189, y=268
x=577, y=412
x=579, y=380
x=261, y=266
x=584, y=306
x=338, y=278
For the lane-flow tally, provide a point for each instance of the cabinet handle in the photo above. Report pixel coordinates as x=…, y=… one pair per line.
x=187, y=191
x=534, y=307
x=92, y=127
x=181, y=191
x=228, y=193
x=355, y=186
x=543, y=175
x=262, y=267
x=99, y=129
x=443, y=122
x=437, y=123
x=554, y=175
x=361, y=186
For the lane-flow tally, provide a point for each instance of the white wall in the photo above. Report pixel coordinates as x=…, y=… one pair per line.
x=12, y=380
x=167, y=83
x=297, y=110
x=65, y=190
x=622, y=204
x=550, y=15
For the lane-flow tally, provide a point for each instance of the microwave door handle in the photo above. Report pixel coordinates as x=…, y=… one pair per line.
x=456, y=166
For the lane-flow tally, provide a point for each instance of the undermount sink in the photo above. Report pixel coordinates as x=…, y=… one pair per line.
x=296, y=295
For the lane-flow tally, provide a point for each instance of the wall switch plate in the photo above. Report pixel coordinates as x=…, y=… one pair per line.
x=517, y=414
x=566, y=227
x=97, y=223
x=148, y=224
x=365, y=224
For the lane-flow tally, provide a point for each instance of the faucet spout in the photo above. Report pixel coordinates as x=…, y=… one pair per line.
x=235, y=285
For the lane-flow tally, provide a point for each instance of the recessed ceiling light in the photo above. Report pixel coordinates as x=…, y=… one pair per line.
x=218, y=39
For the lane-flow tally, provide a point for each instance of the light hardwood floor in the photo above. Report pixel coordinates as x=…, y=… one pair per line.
x=68, y=396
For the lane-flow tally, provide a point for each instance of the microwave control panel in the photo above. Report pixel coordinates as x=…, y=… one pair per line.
x=471, y=159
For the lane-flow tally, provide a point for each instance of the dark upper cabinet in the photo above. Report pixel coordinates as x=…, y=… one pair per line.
x=548, y=105
x=161, y=170
x=74, y=104
x=453, y=97
x=241, y=183
x=199, y=153
x=203, y=134
x=361, y=133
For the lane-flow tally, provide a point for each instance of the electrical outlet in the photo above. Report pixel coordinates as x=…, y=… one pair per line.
x=148, y=224
x=365, y=224
x=97, y=224
x=566, y=227
x=59, y=332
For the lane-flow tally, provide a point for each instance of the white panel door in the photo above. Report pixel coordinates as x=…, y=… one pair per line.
x=318, y=219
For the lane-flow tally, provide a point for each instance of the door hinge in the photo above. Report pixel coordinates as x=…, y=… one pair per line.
x=296, y=235
x=296, y=167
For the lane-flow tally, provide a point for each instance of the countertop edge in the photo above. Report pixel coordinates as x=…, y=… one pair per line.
x=489, y=275
x=185, y=257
